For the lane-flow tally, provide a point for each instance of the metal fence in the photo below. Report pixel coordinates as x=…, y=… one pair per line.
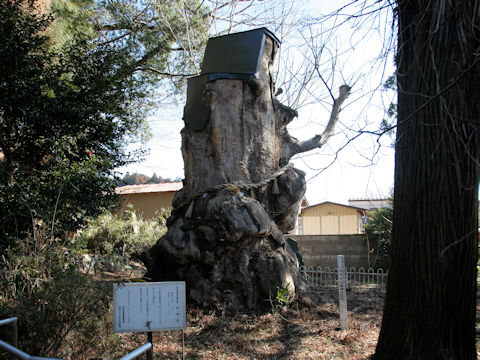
x=356, y=278
x=13, y=350
x=147, y=348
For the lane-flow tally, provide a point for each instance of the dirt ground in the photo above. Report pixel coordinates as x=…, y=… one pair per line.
x=307, y=332
x=294, y=332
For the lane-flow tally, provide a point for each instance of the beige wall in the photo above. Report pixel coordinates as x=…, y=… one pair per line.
x=330, y=219
x=147, y=204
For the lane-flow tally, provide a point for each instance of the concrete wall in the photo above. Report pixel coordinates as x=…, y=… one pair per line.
x=322, y=250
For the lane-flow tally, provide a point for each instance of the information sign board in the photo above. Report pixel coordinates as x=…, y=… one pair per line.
x=146, y=307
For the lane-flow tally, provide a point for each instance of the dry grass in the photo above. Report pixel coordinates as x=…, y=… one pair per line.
x=298, y=332
x=308, y=332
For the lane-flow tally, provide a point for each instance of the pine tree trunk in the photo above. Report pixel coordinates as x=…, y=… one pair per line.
x=430, y=303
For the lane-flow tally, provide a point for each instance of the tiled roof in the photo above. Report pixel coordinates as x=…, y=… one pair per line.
x=148, y=188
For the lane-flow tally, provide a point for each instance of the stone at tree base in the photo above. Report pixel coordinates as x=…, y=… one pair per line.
x=225, y=235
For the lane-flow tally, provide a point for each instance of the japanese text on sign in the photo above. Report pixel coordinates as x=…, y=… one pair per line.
x=144, y=307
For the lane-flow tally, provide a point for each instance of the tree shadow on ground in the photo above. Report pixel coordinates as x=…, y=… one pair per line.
x=307, y=331
x=278, y=336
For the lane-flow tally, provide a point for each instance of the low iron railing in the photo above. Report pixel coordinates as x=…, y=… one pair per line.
x=147, y=348
x=356, y=278
x=14, y=322
x=12, y=348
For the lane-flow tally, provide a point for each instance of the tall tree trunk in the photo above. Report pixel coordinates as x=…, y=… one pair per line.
x=225, y=235
x=430, y=303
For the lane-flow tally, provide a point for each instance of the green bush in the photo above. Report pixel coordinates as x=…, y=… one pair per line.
x=123, y=236
x=61, y=310
x=379, y=234
x=66, y=111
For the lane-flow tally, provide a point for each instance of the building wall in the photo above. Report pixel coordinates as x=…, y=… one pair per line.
x=147, y=204
x=322, y=250
x=330, y=219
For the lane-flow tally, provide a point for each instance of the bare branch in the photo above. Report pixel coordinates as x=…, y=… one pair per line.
x=293, y=146
x=163, y=73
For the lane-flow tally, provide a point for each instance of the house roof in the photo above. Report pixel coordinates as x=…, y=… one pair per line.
x=148, y=188
x=333, y=203
x=369, y=199
x=370, y=204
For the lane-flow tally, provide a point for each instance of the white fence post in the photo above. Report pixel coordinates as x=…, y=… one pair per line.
x=342, y=291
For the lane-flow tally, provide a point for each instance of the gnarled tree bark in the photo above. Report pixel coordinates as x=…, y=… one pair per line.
x=225, y=235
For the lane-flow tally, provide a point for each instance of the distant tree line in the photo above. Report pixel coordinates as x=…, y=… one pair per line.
x=137, y=179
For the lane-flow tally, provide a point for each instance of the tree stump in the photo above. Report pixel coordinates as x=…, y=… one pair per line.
x=225, y=236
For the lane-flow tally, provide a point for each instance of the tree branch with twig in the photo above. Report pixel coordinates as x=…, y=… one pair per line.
x=293, y=146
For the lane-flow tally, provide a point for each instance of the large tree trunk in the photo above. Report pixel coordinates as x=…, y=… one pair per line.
x=430, y=303
x=225, y=235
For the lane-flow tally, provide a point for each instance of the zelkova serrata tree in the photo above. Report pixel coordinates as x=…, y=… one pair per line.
x=225, y=235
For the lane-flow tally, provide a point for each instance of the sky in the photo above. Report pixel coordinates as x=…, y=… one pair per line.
x=364, y=167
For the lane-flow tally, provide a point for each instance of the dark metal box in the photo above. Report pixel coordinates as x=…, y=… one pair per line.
x=236, y=54
x=232, y=56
